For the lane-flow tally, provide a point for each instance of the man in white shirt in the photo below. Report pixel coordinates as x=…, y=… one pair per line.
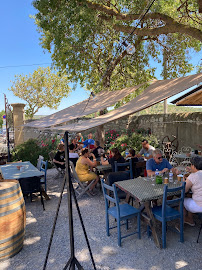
x=147, y=150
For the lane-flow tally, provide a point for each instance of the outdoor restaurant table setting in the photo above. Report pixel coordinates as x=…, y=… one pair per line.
x=20, y=170
x=144, y=190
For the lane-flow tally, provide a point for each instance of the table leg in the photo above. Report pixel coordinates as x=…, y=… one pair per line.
x=152, y=224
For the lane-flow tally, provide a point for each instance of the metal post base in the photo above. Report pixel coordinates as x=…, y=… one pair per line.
x=72, y=263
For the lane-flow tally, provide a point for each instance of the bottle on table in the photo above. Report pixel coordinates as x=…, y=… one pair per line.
x=171, y=177
x=127, y=152
x=156, y=173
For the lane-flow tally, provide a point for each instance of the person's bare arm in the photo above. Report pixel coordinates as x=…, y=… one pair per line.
x=58, y=162
x=188, y=185
x=150, y=173
x=175, y=171
x=104, y=162
x=91, y=163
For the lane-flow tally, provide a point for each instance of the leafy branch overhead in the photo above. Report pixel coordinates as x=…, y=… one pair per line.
x=84, y=38
x=43, y=88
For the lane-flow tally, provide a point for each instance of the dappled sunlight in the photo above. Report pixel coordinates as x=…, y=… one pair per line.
x=83, y=256
x=126, y=268
x=84, y=203
x=105, y=253
x=180, y=264
x=107, y=250
x=56, y=194
x=31, y=240
x=5, y=264
x=30, y=220
x=155, y=267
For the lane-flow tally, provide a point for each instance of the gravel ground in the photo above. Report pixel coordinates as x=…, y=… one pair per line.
x=134, y=254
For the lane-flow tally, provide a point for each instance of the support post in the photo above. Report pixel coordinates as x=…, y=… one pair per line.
x=18, y=121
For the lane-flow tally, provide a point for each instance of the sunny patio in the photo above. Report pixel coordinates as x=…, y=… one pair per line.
x=134, y=253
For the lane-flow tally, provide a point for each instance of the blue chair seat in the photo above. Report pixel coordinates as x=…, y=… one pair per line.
x=43, y=168
x=166, y=213
x=119, y=211
x=126, y=210
x=171, y=213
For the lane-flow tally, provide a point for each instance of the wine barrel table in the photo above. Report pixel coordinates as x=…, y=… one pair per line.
x=12, y=219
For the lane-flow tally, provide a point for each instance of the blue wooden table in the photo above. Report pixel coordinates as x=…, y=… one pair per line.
x=10, y=171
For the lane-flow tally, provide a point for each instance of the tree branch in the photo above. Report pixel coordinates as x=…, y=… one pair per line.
x=171, y=25
x=174, y=28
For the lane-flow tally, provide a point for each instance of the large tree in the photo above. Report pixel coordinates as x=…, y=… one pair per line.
x=43, y=88
x=84, y=37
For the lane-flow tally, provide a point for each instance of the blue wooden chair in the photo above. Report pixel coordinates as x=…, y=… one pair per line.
x=200, y=216
x=123, y=166
x=166, y=213
x=43, y=168
x=119, y=211
x=115, y=177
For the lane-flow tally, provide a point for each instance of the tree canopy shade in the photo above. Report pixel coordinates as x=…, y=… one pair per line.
x=43, y=88
x=84, y=37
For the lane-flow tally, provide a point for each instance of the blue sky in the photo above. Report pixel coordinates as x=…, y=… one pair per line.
x=20, y=47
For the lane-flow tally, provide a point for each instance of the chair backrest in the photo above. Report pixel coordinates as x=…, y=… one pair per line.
x=123, y=166
x=138, y=167
x=74, y=174
x=74, y=161
x=110, y=195
x=179, y=200
x=117, y=176
x=51, y=156
x=44, y=166
x=40, y=158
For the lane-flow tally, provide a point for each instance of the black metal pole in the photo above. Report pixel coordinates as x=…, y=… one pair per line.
x=72, y=262
x=69, y=192
x=8, y=146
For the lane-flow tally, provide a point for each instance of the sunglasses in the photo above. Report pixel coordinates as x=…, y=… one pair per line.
x=159, y=157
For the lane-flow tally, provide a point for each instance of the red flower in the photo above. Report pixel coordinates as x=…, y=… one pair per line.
x=53, y=141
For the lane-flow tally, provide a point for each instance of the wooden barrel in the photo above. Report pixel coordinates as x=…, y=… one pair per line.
x=12, y=219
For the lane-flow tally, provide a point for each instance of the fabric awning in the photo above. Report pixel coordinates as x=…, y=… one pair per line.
x=101, y=101
x=192, y=98
x=153, y=94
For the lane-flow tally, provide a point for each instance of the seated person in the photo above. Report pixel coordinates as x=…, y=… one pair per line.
x=82, y=169
x=73, y=156
x=160, y=163
x=146, y=150
x=132, y=155
x=193, y=182
x=116, y=156
x=98, y=150
x=59, y=158
x=79, y=137
x=89, y=142
x=76, y=146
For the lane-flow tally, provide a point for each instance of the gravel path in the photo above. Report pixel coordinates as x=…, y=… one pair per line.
x=134, y=254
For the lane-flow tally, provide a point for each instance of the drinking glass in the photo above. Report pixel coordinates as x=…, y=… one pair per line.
x=153, y=179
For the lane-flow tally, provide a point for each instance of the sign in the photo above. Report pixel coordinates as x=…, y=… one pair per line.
x=4, y=116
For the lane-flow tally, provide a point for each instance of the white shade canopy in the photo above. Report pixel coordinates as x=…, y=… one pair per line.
x=101, y=101
x=155, y=93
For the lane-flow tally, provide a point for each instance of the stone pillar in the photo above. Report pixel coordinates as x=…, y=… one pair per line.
x=18, y=121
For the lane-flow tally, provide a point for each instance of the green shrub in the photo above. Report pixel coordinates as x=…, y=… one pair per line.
x=31, y=149
x=27, y=151
x=134, y=141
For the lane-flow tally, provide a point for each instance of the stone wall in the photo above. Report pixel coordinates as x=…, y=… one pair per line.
x=187, y=127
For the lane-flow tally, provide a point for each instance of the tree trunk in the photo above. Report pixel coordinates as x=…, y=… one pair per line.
x=99, y=135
